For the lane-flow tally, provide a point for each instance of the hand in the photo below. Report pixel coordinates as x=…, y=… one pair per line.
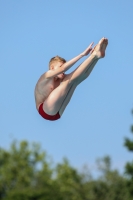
x=88, y=50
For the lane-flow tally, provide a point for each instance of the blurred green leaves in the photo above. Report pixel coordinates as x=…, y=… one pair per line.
x=28, y=173
x=128, y=143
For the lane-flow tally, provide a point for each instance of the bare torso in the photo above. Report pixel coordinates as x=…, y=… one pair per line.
x=57, y=96
x=43, y=89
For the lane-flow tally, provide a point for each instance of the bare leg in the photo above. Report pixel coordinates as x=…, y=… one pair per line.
x=60, y=97
x=86, y=67
x=87, y=72
x=71, y=91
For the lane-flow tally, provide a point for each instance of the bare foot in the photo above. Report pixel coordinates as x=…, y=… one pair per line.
x=99, y=49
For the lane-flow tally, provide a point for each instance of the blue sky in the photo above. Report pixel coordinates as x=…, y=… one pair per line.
x=99, y=114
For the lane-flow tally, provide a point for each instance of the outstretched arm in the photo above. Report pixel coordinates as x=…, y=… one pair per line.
x=71, y=62
x=68, y=64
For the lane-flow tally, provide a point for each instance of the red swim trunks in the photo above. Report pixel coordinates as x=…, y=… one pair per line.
x=46, y=116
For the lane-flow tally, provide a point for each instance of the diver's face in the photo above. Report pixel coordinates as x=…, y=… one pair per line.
x=56, y=66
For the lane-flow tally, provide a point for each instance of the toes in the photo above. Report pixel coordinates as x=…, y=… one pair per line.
x=106, y=41
x=101, y=41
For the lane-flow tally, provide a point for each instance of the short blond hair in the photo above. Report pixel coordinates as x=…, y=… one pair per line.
x=56, y=59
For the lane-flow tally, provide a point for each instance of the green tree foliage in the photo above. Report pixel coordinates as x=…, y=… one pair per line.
x=69, y=182
x=109, y=186
x=27, y=173
x=129, y=166
x=19, y=174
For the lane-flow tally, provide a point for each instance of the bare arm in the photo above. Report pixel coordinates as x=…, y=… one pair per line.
x=68, y=64
x=71, y=62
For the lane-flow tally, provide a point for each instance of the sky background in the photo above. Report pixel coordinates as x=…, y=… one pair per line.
x=98, y=117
